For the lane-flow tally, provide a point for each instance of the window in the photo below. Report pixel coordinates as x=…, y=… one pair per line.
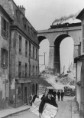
x=25, y=69
x=4, y=58
x=20, y=44
x=29, y=49
x=28, y=28
x=36, y=54
x=33, y=70
x=19, y=69
x=30, y=70
x=26, y=44
x=36, y=70
x=33, y=51
x=4, y=27
x=24, y=23
x=18, y=15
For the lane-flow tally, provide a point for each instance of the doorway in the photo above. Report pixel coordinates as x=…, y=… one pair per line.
x=25, y=94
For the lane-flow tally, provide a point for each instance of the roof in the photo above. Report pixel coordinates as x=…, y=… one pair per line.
x=79, y=16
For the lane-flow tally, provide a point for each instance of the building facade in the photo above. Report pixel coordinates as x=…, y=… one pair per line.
x=80, y=71
x=5, y=22
x=23, y=61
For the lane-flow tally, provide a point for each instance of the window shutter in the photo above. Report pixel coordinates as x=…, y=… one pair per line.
x=2, y=22
x=7, y=29
x=2, y=25
x=4, y=58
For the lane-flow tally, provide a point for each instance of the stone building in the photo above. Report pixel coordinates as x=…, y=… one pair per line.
x=80, y=71
x=5, y=22
x=23, y=55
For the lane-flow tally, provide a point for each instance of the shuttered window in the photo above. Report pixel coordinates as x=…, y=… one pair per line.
x=25, y=69
x=4, y=58
x=26, y=45
x=20, y=44
x=19, y=69
x=4, y=28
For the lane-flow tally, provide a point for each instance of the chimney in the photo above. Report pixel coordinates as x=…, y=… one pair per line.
x=22, y=9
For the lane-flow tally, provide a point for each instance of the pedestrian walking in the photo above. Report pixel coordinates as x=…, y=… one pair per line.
x=47, y=104
x=53, y=99
x=62, y=95
x=54, y=94
x=43, y=100
x=58, y=95
x=30, y=99
x=45, y=93
x=34, y=98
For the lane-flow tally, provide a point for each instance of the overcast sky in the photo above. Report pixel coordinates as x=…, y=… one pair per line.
x=41, y=13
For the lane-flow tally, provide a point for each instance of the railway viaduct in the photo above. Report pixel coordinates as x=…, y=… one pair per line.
x=55, y=34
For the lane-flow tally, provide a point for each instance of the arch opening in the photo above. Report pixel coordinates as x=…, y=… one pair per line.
x=57, y=57
x=41, y=38
x=66, y=55
x=43, y=55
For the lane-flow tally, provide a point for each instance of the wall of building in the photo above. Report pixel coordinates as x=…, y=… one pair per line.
x=20, y=28
x=15, y=58
x=78, y=87
x=4, y=69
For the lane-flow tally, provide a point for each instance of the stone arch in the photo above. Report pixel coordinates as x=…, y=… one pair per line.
x=44, y=45
x=41, y=38
x=57, y=52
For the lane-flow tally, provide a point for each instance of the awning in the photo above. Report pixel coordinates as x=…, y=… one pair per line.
x=38, y=80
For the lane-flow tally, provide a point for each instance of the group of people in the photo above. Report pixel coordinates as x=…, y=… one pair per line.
x=48, y=97
x=60, y=95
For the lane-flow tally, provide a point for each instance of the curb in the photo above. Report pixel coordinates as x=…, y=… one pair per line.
x=14, y=113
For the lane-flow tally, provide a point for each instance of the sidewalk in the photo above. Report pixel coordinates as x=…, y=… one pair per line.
x=67, y=109
x=8, y=112
x=75, y=112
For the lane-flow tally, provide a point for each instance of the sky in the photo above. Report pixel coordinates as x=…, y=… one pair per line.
x=41, y=13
